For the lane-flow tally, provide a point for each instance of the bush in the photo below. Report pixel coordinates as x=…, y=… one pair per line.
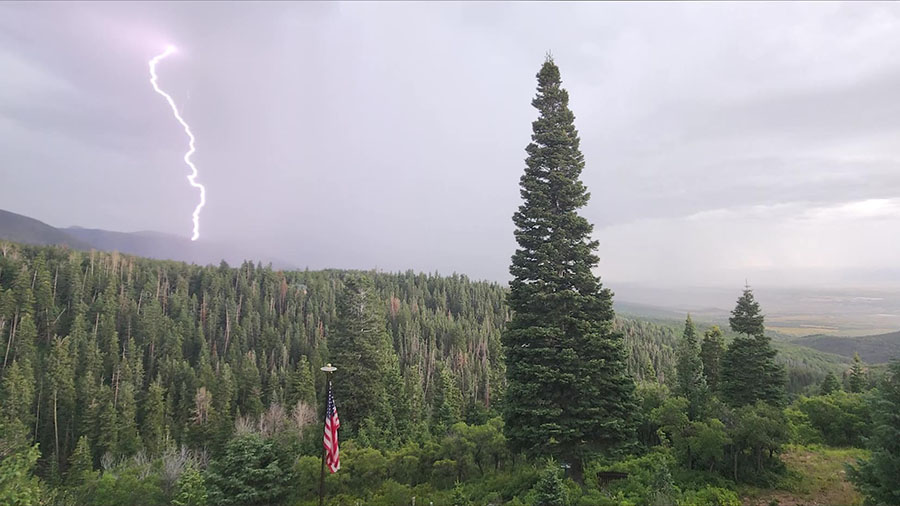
x=841, y=418
x=550, y=489
x=251, y=471
x=123, y=487
x=191, y=489
x=710, y=496
x=649, y=479
x=17, y=484
x=391, y=493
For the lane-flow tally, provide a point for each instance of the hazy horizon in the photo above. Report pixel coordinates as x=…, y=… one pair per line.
x=724, y=142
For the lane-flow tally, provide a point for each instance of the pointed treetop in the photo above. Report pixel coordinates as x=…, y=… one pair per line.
x=746, y=317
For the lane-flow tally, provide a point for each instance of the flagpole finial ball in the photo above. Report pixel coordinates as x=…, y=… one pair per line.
x=328, y=368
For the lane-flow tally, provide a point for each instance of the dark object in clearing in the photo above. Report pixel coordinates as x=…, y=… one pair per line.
x=607, y=476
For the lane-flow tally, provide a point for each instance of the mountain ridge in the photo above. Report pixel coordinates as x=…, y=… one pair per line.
x=19, y=228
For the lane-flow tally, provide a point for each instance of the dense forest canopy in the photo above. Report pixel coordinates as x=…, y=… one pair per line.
x=133, y=324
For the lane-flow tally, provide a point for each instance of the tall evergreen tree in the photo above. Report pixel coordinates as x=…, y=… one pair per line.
x=126, y=418
x=153, y=419
x=61, y=401
x=43, y=298
x=447, y=402
x=568, y=391
x=746, y=317
x=550, y=489
x=80, y=463
x=856, y=383
x=830, y=384
x=301, y=387
x=749, y=371
x=360, y=349
x=878, y=477
x=711, y=350
x=17, y=394
x=690, y=382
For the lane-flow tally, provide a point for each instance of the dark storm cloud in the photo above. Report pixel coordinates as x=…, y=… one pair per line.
x=392, y=135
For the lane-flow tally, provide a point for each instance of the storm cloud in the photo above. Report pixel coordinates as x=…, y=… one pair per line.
x=723, y=141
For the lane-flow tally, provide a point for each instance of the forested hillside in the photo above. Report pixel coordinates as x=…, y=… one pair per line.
x=84, y=328
x=23, y=229
x=91, y=330
x=15, y=227
x=877, y=349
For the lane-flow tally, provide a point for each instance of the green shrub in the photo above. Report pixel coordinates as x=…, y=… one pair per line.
x=841, y=418
x=18, y=486
x=649, y=479
x=251, y=471
x=710, y=496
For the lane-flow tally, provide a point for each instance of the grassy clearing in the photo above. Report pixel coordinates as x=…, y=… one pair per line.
x=816, y=477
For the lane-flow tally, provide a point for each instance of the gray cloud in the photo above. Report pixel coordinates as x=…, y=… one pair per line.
x=392, y=135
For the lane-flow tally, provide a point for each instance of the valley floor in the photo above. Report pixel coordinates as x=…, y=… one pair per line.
x=816, y=478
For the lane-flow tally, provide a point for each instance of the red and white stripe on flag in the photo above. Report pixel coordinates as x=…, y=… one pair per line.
x=332, y=424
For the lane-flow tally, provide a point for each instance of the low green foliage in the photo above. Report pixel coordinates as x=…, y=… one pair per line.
x=191, y=489
x=710, y=496
x=251, y=471
x=839, y=418
x=18, y=486
x=550, y=490
x=878, y=477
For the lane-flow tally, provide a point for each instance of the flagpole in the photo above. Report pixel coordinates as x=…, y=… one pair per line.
x=328, y=370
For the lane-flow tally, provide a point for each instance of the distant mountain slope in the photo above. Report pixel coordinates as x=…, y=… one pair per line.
x=146, y=244
x=876, y=349
x=18, y=228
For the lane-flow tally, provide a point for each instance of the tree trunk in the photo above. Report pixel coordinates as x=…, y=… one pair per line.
x=55, y=425
x=576, y=471
x=12, y=335
x=37, y=414
x=735, y=464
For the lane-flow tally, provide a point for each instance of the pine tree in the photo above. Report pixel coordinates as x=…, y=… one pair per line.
x=711, y=350
x=26, y=341
x=17, y=394
x=749, y=371
x=80, y=463
x=23, y=299
x=459, y=496
x=43, y=298
x=360, y=348
x=249, y=386
x=106, y=435
x=830, y=384
x=568, y=391
x=153, y=420
x=549, y=490
x=301, y=387
x=447, y=402
x=61, y=382
x=191, y=489
x=415, y=395
x=127, y=436
x=878, y=477
x=690, y=382
x=88, y=368
x=23, y=294
x=857, y=381
x=746, y=317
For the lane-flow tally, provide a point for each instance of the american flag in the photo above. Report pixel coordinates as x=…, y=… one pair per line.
x=332, y=424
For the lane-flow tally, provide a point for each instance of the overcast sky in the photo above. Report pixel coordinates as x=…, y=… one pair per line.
x=723, y=141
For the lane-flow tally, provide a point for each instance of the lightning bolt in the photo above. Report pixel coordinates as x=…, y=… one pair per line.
x=192, y=177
